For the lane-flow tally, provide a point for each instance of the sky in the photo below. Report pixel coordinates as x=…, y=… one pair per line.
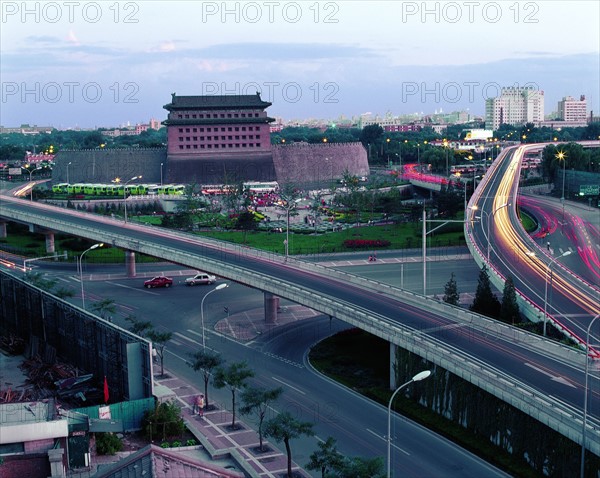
x=108, y=63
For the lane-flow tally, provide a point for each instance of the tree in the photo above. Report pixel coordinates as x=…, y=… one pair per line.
x=509, y=311
x=159, y=341
x=144, y=328
x=206, y=361
x=284, y=427
x=38, y=280
x=326, y=457
x=104, y=307
x=485, y=302
x=257, y=400
x=165, y=420
x=234, y=376
x=358, y=467
x=451, y=295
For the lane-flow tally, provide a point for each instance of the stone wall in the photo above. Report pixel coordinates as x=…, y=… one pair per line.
x=299, y=163
x=224, y=168
x=104, y=165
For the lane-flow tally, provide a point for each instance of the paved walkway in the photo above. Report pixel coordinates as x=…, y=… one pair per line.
x=213, y=429
x=239, y=446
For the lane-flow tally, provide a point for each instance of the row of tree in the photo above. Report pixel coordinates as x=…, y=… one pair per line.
x=485, y=301
x=256, y=401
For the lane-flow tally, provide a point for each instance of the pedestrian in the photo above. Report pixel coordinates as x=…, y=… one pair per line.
x=200, y=405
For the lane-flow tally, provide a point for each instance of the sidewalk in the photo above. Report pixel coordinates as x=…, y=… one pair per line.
x=213, y=430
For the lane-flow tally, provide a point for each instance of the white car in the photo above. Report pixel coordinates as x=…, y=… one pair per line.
x=201, y=278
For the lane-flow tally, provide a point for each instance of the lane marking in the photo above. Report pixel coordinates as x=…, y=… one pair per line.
x=384, y=439
x=555, y=378
x=147, y=291
x=288, y=385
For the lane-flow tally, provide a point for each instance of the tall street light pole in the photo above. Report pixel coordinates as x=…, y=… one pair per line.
x=161, y=174
x=68, y=164
x=489, y=220
x=289, y=206
x=125, y=194
x=420, y=376
x=31, y=185
x=561, y=156
x=585, y=397
x=549, y=272
x=95, y=246
x=219, y=287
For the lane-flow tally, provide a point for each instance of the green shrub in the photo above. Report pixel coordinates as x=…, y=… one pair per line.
x=176, y=444
x=164, y=421
x=191, y=442
x=108, y=443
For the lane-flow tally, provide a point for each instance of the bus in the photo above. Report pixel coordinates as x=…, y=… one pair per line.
x=60, y=188
x=261, y=187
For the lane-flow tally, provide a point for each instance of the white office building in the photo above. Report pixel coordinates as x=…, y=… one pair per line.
x=570, y=109
x=515, y=106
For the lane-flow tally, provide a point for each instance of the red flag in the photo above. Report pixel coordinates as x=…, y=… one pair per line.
x=105, y=390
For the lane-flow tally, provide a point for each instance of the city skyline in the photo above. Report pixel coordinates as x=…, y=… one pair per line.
x=103, y=64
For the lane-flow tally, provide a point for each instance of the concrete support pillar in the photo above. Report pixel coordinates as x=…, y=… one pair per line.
x=2, y=230
x=271, y=306
x=130, y=263
x=57, y=468
x=49, y=241
x=393, y=360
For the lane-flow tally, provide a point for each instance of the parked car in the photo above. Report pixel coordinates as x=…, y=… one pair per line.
x=201, y=278
x=158, y=281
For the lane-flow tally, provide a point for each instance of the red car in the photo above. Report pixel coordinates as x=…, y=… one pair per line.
x=159, y=281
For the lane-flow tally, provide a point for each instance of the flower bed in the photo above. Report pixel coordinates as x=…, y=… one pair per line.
x=365, y=243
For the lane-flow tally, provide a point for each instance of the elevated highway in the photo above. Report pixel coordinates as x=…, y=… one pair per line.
x=496, y=238
x=482, y=351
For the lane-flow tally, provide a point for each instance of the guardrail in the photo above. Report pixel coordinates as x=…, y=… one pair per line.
x=550, y=411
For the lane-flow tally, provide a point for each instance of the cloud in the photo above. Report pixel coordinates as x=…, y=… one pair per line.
x=42, y=39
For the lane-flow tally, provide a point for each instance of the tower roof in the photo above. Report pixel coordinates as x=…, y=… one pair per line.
x=216, y=102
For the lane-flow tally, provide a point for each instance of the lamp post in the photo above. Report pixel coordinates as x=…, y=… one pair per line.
x=289, y=206
x=68, y=164
x=95, y=246
x=585, y=397
x=488, y=227
x=219, y=287
x=561, y=156
x=420, y=376
x=424, y=241
x=31, y=185
x=125, y=193
x=161, y=174
x=549, y=272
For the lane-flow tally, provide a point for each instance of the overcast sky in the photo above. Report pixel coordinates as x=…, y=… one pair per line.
x=79, y=63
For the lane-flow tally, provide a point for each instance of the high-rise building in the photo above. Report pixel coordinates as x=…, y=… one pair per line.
x=570, y=109
x=515, y=106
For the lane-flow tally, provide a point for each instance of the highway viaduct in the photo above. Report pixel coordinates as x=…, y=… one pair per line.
x=319, y=288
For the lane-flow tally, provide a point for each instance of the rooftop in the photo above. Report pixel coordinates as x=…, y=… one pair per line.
x=216, y=102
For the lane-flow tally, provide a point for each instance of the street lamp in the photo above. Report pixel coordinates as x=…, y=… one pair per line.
x=585, y=397
x=420, y=376
x=80, y=264
x=549, y=272
x=68, y=164
x=161, y=174
x=489, y=220
x=219, y=287
x=117, y=180
x=561, y=156
x=31, y=186
x=288, y=208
